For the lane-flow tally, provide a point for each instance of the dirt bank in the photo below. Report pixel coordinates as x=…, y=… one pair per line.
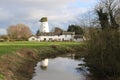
x=20, y=65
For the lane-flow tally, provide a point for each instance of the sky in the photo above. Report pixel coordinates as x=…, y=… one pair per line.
x=60, y=13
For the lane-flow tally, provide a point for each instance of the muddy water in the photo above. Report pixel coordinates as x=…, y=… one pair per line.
x=61, y=68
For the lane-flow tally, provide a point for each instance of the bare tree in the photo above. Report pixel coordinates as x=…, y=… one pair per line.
x=106, y=12
x=19, y=31
x=117, y=17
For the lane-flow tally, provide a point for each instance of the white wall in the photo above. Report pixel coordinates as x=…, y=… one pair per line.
x=78, y=39
x=46, y=38
x=44, y=27
x=67, y=37
x=56, y=37
x=32, y=38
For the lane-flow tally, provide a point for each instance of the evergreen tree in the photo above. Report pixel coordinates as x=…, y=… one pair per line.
x=75, y=28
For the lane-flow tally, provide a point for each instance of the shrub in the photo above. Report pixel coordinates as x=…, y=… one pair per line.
x=104, y=58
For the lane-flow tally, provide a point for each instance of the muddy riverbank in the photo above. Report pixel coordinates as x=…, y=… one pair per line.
x=20, y=65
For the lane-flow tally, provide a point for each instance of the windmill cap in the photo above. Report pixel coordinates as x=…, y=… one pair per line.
x=43, y=19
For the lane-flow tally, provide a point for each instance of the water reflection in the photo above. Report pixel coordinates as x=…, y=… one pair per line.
x=44, y=64
x=60, y=68
x=72, y=56
x=82, y=67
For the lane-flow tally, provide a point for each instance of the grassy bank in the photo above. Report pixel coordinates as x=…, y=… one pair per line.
x=18, y=59
x=10, y=47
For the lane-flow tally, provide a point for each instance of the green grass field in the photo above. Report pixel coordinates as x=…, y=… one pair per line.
x=10, y=47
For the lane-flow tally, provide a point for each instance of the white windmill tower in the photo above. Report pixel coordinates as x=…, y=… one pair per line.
x=44, y=25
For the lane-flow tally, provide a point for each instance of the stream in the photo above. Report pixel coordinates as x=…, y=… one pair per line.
x=61, y=68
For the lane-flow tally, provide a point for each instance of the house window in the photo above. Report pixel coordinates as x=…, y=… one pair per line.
x=44, y=39
x=33, y=38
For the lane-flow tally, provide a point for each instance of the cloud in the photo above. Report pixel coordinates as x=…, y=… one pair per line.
x=4, y=14
x=2, y=31
x=89, y=1
x=59, y=12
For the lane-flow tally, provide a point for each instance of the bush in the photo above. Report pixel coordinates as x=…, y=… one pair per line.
x=104, y=58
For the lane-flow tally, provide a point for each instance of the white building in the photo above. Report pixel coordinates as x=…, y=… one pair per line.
x=33, y=38
x=51, y=36
x=45, y=35
x=44, y=25
x=78, y=38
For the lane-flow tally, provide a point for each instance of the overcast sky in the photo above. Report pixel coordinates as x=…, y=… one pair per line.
x=60, y=13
